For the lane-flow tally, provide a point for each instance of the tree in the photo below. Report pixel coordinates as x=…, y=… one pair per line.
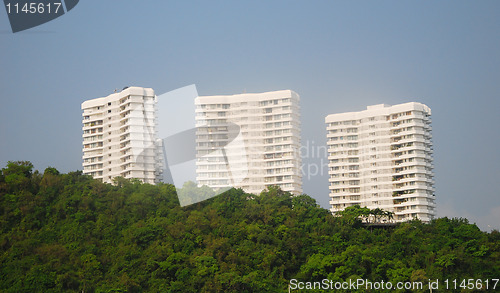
x=17, y=175
x=354, y=215
x=51, y=170
x=75, y=233
x=190, y=193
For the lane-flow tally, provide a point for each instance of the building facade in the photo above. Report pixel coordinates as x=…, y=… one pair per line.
x=249, y=141
x=119, y=136
x=382, y=157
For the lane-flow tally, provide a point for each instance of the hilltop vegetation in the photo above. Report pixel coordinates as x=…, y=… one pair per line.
x=70, y=233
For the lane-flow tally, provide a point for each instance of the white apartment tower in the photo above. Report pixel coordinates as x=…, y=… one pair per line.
x=382, y=158
x=249, y=141
x=119, y=136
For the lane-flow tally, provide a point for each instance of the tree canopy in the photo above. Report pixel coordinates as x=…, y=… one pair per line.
x=71, y=233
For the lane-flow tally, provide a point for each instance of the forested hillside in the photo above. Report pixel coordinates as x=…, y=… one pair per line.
x=70, y=233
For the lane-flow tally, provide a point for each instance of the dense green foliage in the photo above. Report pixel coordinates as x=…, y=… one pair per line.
x=68, y=232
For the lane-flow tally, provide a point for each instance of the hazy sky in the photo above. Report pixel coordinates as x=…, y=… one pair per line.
x=337, y=55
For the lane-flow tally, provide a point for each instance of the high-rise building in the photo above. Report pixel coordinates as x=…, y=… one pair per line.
x=119, y=136
x=249, y=141
x=382, y=158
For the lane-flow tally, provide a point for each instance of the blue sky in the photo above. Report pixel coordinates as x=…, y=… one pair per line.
x=337, y=55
